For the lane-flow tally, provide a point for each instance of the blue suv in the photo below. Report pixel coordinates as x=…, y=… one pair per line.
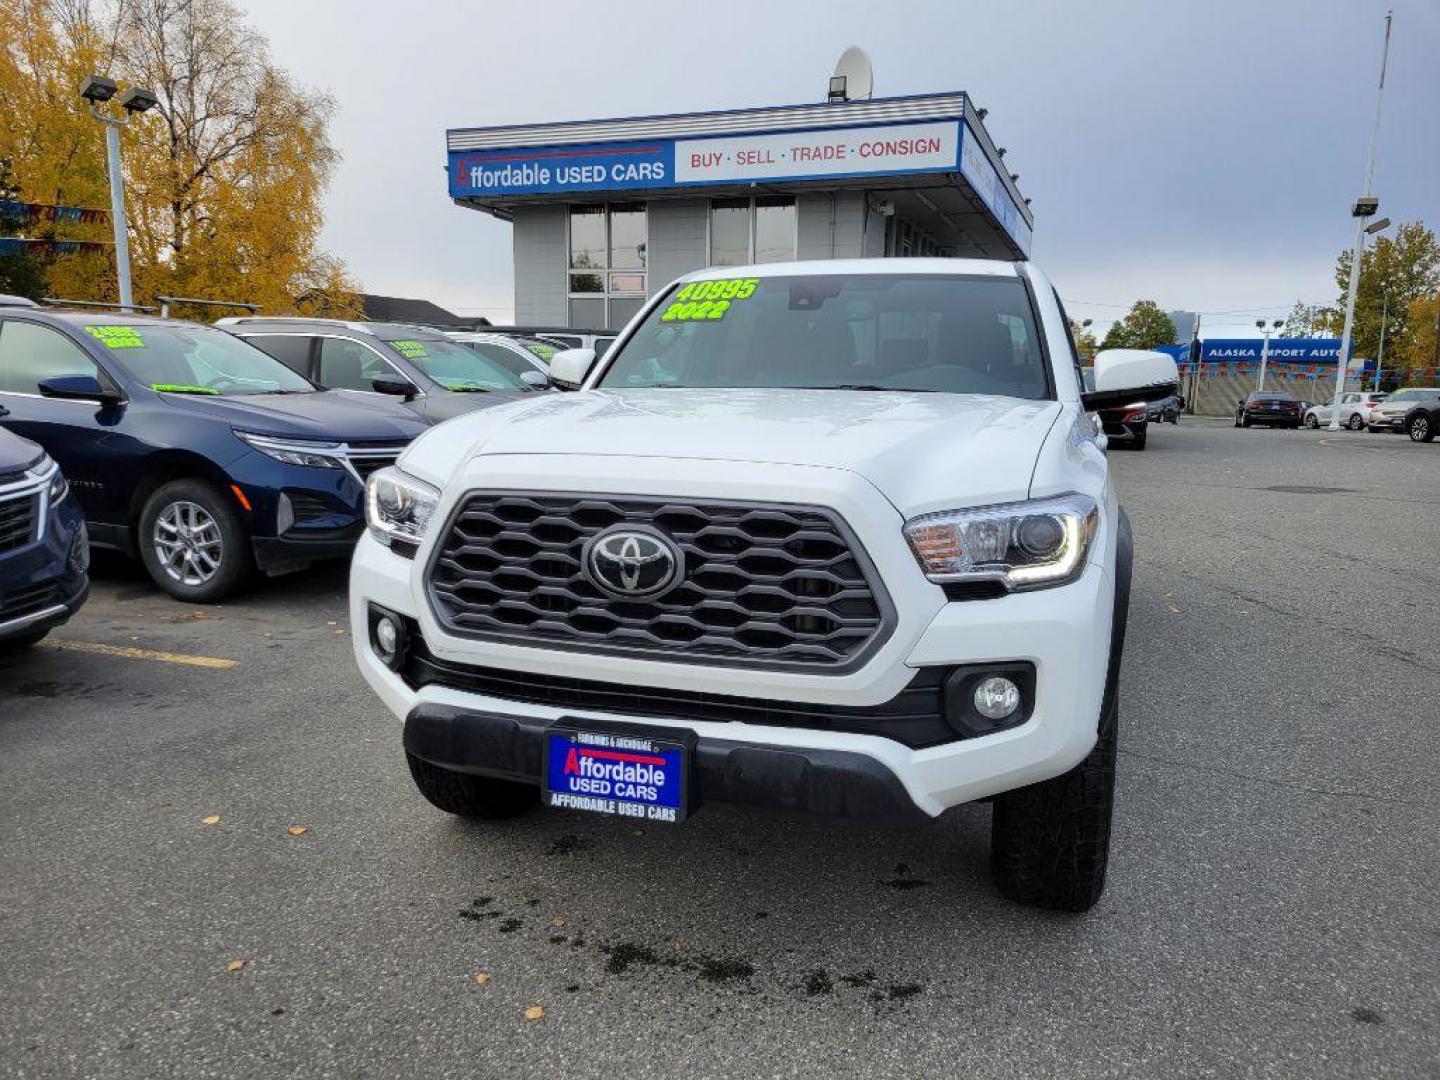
x=191, y=449
x=44, y=554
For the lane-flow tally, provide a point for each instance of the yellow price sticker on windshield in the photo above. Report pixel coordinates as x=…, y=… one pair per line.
x=708, y=301
x=411, y=350
x=117, y=337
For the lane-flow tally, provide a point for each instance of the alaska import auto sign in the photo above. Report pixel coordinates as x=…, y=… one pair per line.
x=726, y=159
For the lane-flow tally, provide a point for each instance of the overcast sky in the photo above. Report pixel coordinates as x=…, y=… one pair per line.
x=1202, y=154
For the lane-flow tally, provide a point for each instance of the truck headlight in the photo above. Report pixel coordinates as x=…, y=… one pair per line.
x=398, y=508
x=1024, y=545
x=319, y=455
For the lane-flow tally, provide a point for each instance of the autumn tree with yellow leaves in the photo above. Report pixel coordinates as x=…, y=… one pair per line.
x=224, y=178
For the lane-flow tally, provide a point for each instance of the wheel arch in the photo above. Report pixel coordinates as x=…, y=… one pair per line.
x=168, y=465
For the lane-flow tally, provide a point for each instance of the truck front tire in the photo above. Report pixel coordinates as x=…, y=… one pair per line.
x=1050, y=842
x=470, y=796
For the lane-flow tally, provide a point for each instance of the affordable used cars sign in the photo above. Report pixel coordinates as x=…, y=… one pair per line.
x=671, y=163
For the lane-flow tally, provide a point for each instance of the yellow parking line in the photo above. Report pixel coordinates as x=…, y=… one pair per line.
x=143, y=654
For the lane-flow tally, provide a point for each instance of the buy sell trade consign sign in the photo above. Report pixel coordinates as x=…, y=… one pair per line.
x=935, y=146
x=944, y=146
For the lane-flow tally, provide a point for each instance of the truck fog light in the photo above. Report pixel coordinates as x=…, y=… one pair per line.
x=996, y=697
x=388, y=637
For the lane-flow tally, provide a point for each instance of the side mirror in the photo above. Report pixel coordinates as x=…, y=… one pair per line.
x=569, y=367
x=395, y=385
x=1127, y=376
x=538, y=379
x=77, y=388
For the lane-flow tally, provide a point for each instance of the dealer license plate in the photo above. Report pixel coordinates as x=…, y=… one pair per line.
x=631, y=773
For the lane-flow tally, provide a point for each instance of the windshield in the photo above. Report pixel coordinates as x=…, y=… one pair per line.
x=509, y=359
x=541, y=350
x=197, y=360
x=455, y=366
x=929, y=333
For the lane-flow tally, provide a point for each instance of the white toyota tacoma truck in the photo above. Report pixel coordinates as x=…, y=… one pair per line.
x=835, y=538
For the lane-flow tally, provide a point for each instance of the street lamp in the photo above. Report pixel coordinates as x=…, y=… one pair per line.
x=1365, y=207
x=1265, y=333
x=98, y=91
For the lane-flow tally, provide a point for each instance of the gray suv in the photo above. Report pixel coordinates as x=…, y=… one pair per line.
x=435, y=376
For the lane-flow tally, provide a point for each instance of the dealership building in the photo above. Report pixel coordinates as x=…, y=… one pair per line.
x=607, y=212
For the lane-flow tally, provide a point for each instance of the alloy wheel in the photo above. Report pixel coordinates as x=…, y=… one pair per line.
x=1420, y=428
x=187, y=543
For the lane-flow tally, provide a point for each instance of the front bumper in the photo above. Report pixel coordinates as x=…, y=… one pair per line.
x=298, y=514
x=802, y=780
x=40, y=585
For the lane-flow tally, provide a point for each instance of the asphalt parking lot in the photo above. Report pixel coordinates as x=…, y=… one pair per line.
x=1271, y=908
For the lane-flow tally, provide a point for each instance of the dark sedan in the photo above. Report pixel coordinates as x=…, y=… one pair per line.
x=1269, y=408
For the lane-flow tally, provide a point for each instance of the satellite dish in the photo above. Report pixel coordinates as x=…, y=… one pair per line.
x=853, y=79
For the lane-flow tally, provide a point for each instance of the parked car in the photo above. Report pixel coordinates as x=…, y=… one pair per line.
x=44, y=553
x=1126, y=427
x=1354, y=410
x=1166, y=410
x=1397, y=410
x=435, y=377
x=781, y=549
x=189, y=448
x=560, y=336
x=1268, y=407
x=513, y=354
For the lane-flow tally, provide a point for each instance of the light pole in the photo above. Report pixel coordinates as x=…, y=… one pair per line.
x=1265, y=333
x=1365, y=207
x=98, y=90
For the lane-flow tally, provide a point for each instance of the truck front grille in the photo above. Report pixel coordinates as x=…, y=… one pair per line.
x=765, y=584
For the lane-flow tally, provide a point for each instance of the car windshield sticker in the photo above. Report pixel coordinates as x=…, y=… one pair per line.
x=411, y=350
x=708, y=300
x=544, y=352
x=181, y=388
x=117, y=337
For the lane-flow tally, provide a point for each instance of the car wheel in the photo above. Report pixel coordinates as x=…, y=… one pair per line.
x=471, y=796
x=1420, y=429
x=193, y=542
x=23, y=641
x=1244, y=421
x=1356, y=422
x=1311, y=422
x=1050, y=842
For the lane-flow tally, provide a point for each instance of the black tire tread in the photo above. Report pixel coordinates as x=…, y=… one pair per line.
x=468, y=796
x=1050, y=842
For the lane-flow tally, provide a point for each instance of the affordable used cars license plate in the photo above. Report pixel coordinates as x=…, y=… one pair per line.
x=633, y=774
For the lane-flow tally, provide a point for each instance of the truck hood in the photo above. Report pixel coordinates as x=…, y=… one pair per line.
x=327, y=415
x=914, y=447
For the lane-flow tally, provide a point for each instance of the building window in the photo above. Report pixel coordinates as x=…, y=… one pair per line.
x=904, y=240
x=607, y=278
x=759, y=230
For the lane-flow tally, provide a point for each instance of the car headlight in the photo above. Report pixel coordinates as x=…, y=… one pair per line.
x=398, y=507
x=47, y=468
x=1024, y=545
x=320, y=455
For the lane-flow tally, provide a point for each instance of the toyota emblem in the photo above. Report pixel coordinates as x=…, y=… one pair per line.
x=631, y=562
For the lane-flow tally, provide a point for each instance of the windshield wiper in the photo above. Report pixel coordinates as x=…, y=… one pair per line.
x=867, y=386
